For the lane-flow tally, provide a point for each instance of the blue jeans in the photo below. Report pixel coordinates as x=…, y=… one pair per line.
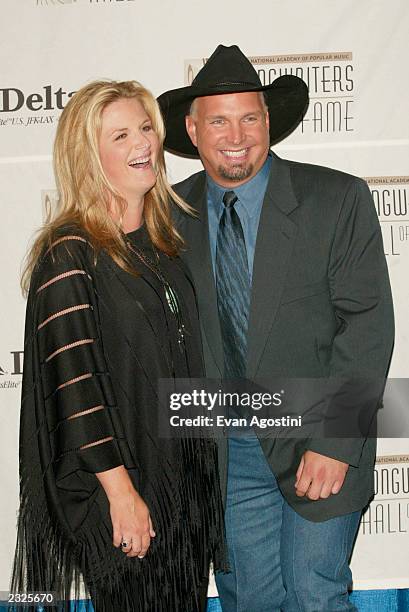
x=279, y=560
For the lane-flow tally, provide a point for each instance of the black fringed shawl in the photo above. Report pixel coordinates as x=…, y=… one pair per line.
x=96, y=342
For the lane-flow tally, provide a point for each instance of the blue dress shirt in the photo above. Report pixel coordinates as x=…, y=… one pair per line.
x=248, y=207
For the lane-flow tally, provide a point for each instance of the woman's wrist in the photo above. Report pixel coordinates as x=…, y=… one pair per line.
x=116, y=484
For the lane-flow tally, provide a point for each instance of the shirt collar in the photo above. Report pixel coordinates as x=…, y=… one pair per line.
x=245, y=192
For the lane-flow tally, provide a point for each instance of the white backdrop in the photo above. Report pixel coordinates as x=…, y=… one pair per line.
x=354, y=55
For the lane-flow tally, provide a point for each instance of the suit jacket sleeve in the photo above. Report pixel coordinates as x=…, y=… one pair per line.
x=361, y=297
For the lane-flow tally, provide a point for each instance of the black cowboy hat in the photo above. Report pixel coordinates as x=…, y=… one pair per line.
x=229, y=71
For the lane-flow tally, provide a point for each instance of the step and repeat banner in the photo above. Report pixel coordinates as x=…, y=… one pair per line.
x=353, y=56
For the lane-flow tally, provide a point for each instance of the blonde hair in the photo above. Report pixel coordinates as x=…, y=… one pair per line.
x=84, y=191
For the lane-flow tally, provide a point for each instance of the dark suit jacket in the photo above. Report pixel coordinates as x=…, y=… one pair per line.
x=321, y=306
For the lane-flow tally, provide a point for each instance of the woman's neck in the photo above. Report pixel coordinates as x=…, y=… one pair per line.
x=133, y=215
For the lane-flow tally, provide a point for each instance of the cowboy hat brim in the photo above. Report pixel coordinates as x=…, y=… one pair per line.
x=286, y=99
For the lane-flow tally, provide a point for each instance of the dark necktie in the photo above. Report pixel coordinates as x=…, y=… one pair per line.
x=233, y=288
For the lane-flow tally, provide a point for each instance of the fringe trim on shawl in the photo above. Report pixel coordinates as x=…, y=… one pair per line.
x=189, y=529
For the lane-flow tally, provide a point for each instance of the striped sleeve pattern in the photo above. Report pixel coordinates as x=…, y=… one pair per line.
x=72, y=377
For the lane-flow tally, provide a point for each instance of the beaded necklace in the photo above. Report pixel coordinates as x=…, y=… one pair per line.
x=171, y=296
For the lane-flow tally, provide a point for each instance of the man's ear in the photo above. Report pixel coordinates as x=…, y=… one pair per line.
x=191, y=128
x=268, y=119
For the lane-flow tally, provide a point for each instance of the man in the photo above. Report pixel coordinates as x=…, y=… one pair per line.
x=291, y=279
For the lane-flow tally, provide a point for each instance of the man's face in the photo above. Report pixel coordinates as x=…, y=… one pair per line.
x=231, y=133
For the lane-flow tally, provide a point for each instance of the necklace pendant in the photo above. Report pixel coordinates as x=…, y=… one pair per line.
x=170, y=295
x=171, y=300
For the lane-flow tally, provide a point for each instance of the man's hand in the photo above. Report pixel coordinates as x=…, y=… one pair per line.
x=319, y=476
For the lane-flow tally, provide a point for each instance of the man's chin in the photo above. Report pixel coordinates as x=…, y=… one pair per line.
x=235, y=174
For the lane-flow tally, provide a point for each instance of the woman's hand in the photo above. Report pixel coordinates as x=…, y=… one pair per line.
x=131, y=521
x=131, y=524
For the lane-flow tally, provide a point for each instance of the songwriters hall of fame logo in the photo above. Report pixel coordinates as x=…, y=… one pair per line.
x=388, y=513
x=62, y=2
x=11, y=370
x=391, y=199
x=49, y=203
x=330, y=80
x=54, y=2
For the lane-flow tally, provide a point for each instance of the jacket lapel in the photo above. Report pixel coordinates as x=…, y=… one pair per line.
x=274, y=245
x=198, y=258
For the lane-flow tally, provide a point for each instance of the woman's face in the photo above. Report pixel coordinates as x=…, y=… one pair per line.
x=128, y=148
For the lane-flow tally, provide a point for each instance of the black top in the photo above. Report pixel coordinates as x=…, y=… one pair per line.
x=97, y=340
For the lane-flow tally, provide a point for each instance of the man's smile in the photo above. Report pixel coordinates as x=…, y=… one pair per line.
x=236, y=155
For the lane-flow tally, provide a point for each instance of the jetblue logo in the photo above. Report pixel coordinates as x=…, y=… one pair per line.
x=11, y=371
x=16, y=364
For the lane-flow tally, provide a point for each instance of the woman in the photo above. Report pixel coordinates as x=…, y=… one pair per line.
x=110, y=311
